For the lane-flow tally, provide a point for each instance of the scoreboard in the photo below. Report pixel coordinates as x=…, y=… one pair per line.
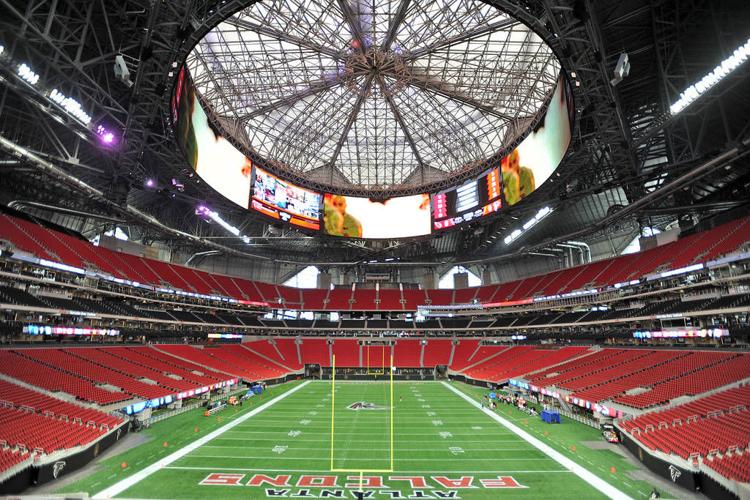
x=469, y=201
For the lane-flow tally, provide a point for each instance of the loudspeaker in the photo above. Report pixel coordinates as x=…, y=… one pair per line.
x=121, y=70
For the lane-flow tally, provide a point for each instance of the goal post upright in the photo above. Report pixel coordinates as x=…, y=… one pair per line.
x=360, y=470
x=333, y=403
x=392, y=416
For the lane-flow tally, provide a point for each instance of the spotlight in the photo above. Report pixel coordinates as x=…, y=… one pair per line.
x=727, y=66
x=105, y=136
x=71, y=106
x=150, y=183
x=27, y=74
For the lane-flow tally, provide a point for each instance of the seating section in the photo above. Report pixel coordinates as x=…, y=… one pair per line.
x=148, y=357
x=67, y=361
x=268, y=350
x=710, y=435
x=643, y=378
x=390, y=300
x=346, y=352
x=735, y=467
x=113, y=374
x=731, y=400
x=259, y=367
x=481, y=354
x=376, y=357
x=53, y=379
x=517, y=361
x=406, y=353
x=61, y=247
x=599, y=360
x=729, y=368
x=289, y=352
x=12, y=395
x=315, y=352
x=338, y=299
x=126, y=367
x=464, y=353
x=26, y=430
x=711, y=427
x=437, y=352
x=11, y=457
x=231, y=359
x=32, y=422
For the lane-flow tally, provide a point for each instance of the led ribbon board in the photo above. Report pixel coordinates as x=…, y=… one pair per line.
x=285, y=201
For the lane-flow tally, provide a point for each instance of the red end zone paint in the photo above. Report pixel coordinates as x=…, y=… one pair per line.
x=262, y=480
x=217, y=478
x=367, y=482
x=317, y=481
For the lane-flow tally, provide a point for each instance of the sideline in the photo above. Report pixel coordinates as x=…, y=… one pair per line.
x=592, y=479
x=139, y=476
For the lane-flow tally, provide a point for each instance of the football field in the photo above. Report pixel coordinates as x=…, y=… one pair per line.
x=311, y=442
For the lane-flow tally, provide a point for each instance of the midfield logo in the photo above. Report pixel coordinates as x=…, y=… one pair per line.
x=363, y=405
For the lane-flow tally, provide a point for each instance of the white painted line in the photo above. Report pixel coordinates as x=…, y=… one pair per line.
x=421, y=448
x=328, y=471
x=139, y=476
x=591, y=478
x=282, y=459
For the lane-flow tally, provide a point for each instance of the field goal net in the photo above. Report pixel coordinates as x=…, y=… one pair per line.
x=362, y=421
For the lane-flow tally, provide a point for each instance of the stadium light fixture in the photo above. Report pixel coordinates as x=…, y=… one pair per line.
x=517, y=233
x=727, y=66
x=106, y=136
x=27, y=74
x=71, y=106
x=205, y=212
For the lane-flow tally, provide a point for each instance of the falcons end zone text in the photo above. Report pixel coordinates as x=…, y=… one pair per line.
x=331, y=486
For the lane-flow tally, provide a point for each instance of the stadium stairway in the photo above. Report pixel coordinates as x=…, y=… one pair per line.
x=271, y=353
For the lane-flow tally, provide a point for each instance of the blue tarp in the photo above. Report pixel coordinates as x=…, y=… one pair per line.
x=550, y=416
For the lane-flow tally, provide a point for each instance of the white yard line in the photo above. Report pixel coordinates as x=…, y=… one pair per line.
x=398, y=472
x=377, y=459
x=443, y=448
x=139, y=476
x=591, y=478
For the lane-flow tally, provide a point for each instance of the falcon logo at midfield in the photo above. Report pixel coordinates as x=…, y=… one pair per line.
x=362, y=405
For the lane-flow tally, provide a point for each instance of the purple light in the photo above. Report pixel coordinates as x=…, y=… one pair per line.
x=150, y=183
x=105, y=136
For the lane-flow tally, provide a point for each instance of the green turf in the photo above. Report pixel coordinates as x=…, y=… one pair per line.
x=436, y=434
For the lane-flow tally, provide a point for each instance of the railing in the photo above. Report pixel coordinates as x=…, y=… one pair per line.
x=172, y=413
x=581, y=419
